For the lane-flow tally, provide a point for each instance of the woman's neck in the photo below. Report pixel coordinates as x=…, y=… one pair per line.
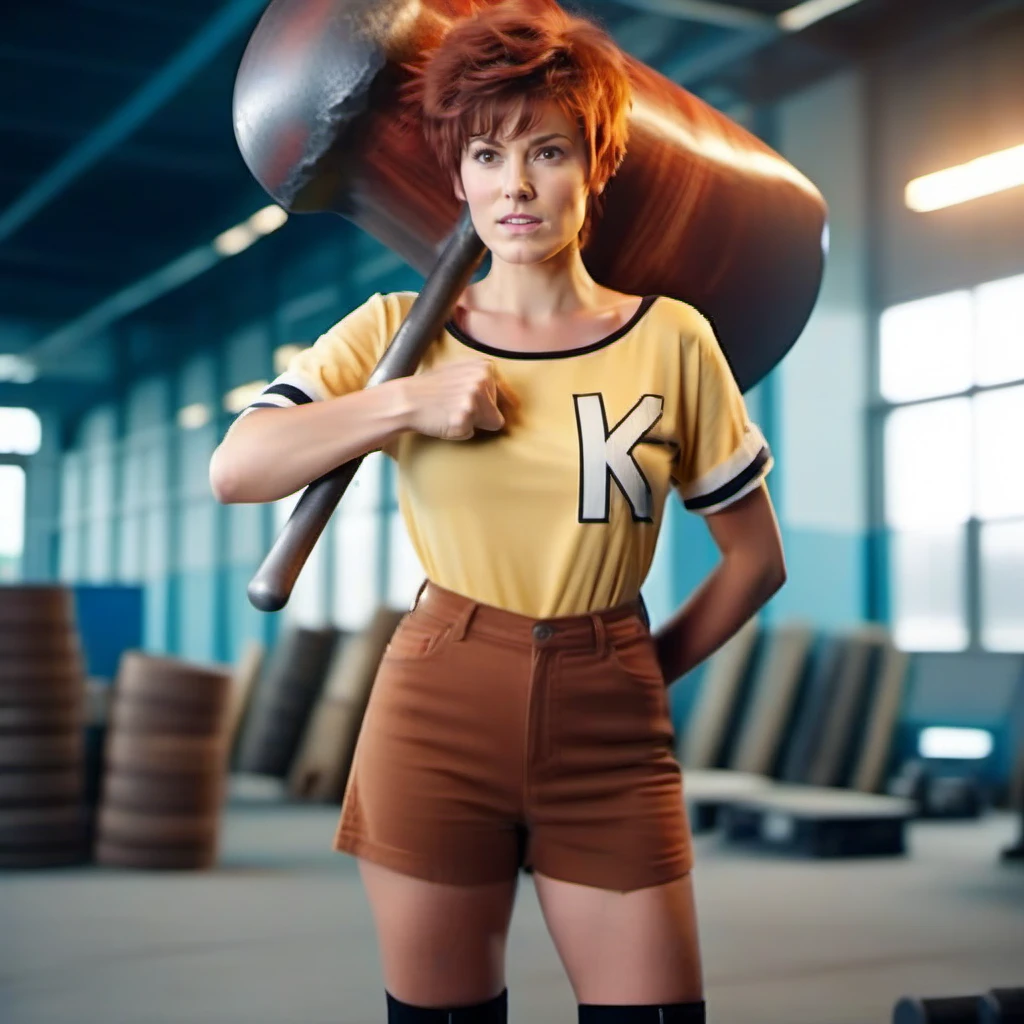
x=536, y=293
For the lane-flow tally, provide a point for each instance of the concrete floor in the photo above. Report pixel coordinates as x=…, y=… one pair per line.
x=281, y=933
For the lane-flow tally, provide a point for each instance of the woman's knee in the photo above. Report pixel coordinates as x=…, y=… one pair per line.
x=440, y=945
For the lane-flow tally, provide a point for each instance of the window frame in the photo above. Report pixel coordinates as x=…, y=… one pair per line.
x=880, y=583
x=11, y=459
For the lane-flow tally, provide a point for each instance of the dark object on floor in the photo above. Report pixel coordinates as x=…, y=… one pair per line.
x=999, y=1006
x=820, y=822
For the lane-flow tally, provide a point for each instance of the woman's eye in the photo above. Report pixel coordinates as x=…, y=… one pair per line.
x=480, y=153
x=551, y=149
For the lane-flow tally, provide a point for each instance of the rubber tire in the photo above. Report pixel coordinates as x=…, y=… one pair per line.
x=41, y=751
x=166, y=755
x=122, y=855
x=40, y=788
x=170, y=794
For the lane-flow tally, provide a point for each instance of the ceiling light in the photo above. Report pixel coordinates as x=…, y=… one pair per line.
x=17, y=370
x=235, y=240
x=955, y=743
x=983, y=176
x=241, y=236
x=194, y=416
x=269, y=219
x=806, y=14
x=238, y=398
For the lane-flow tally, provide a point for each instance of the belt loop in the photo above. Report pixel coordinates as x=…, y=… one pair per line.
x=462, y=622
x=600, y=635
x=645, y=616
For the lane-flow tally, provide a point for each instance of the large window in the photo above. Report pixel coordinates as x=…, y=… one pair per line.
x=20, y=436
x=952, y=384
x=12, y=521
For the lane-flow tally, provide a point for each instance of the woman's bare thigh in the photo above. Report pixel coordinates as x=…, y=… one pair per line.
x=440, y=945
x=636, y=947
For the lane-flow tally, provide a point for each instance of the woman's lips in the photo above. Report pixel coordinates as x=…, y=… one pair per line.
x=519, y=228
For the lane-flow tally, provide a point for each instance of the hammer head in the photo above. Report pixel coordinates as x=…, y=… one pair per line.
x=700, y=209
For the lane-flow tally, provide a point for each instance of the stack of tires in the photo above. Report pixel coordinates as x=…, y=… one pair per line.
x=284, y=700
x=43, y=821
x=165, y=765
x=321, y=768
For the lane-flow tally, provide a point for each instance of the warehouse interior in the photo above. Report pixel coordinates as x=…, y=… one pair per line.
x=853, y=760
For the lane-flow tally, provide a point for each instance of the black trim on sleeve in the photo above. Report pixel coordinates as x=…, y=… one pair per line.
x=288, y=391
x=737, y=483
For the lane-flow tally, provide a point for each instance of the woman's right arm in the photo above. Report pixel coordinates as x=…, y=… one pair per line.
x=271, y=453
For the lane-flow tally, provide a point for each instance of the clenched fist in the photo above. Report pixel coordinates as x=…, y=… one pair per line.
x=453, y=401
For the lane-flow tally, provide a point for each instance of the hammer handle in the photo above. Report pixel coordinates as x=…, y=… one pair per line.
x=272, y=584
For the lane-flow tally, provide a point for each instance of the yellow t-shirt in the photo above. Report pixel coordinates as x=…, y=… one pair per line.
x=558, y=513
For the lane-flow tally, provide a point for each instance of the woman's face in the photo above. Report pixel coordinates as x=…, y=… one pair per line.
x=541, y=177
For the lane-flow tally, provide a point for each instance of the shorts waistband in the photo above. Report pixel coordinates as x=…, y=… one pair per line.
x=592, y=630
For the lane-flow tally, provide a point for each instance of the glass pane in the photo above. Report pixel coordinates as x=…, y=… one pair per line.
x=12, y=521
x=405, y=573
x=21, y=433
x=364, y=493
x=928, y=465
x=355, y=569
x=926, y=347
x=307, y=605
x=1000, y=331
x=1002, y=586
x=928, y=579
x=999, y=426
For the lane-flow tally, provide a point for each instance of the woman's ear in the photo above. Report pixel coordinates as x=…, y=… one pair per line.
x=457, y=186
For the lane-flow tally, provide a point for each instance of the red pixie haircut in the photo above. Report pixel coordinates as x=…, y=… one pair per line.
x=520, y=54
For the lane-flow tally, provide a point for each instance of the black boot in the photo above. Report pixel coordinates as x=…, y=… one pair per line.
x=493, y=1011
x=664, y=1013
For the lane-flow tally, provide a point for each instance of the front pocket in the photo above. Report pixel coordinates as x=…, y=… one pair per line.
x=637, y=656
x=416, y=639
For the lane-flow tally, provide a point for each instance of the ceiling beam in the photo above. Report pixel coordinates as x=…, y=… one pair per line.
x=77, y=62
x=795, y=19
x=166, y=14
x=50, y=350
x=706, y=12
x=644, y=36
x=691, y=68
x=59, y=394
x=186, y=157
x=233, y=18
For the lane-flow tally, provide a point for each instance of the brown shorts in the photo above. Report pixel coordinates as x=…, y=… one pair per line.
x=493, y=741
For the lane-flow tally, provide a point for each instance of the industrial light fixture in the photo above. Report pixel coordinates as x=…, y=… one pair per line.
x=806, y=14
x=194, y=416
x=166, y=279
x=16, y=370
x=238, y=398
x=241, y=236
x=955, y=743
x=982, y=176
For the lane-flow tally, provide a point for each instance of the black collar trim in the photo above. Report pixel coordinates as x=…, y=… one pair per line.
x=452, y=328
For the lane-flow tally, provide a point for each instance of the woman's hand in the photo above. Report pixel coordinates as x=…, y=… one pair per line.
x=453, y=401
x=752, y=569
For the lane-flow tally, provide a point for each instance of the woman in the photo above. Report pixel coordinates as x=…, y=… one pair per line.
x=520, y=716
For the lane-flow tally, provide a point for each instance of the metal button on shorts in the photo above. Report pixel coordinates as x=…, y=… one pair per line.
x=542, y=631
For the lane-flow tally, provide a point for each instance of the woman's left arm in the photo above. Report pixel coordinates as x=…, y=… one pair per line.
x=751, y=570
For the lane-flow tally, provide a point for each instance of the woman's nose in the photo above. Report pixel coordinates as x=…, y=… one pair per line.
x=517, y=183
